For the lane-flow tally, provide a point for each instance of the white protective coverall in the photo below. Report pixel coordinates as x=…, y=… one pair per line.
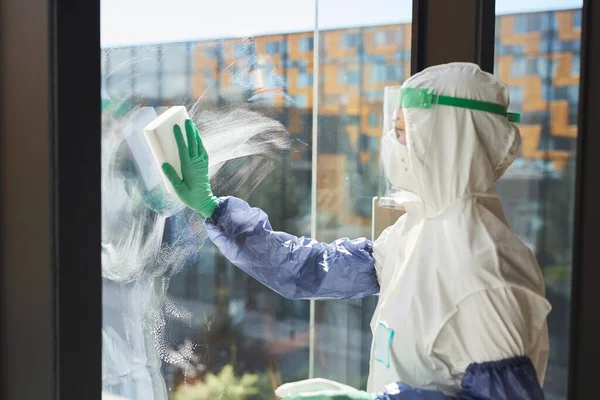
x=457, y=286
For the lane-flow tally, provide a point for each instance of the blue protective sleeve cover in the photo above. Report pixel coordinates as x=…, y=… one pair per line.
x=295, y=267
x=400, y=391
x=513, y=378
x=509, y=379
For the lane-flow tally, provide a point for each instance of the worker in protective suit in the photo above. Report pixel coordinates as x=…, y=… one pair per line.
x=461, y=311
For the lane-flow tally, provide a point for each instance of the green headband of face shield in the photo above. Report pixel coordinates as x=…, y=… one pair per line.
x=425, y=98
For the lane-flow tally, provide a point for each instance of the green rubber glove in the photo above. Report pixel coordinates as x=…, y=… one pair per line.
x=348, y=394
x=194, y=189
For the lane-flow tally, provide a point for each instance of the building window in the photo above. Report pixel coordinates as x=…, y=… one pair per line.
x=545, y=22
x=348, y=77
x=576, y=65
x=577, y=19
x=546, y=44
x=540, y=66
x=274, y=47
x=527, y=23
x=211, y=52
x=305, y=79
x=531, y=66
x=385, y=73
x=306, y=44
x=373, y=120
x=516, y=94
x=380, y=38
x=351, y=40
x=518, y=67
x=241, y=51
x=386, y=37
x=352, y=78
x=299, y=101
x=573, y=94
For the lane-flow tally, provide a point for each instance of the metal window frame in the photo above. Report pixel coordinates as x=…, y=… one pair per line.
x=50, y=195
x=585, y=300
x=466, y=28
x=75, y=105
x=26, y=332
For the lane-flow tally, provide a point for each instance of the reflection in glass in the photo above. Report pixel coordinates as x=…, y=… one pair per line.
x=179, y=320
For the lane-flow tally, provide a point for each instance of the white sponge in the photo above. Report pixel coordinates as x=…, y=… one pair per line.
x=159, y=134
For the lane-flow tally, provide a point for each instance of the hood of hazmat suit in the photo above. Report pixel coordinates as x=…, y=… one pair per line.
x=457, y=286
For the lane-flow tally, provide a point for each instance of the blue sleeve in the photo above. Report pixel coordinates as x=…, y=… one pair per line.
x=513, y=378
x=296, y=268
x=400, y=391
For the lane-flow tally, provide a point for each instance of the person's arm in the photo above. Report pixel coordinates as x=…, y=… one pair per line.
x=295, y=267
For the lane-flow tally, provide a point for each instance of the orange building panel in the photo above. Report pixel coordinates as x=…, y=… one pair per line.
x=533, y=99
x=559, y=120
x=564, y=74
x=566, y=30
x=199, y=83
x=530, y=135
x=330, y=182
x=530, y=40
x=334, y=45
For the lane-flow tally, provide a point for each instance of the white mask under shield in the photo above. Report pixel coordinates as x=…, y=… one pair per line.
x=396, y=164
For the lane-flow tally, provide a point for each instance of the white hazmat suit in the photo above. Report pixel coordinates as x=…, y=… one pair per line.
x=457, y=286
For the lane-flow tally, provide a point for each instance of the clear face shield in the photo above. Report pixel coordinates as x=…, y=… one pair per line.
x=399, y=183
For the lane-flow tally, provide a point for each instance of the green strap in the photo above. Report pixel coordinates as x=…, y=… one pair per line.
x=425, y=98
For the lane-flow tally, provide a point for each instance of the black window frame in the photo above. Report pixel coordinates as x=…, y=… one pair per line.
x=51, y=297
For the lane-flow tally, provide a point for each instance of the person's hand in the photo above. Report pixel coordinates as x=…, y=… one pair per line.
x=194, y=189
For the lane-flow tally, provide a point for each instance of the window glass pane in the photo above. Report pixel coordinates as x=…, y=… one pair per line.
x=175, y=86
x=354, y=67
x=147, y=87
x=146, y=58
x=120, y=59
x=179, y=320
x=538, y=56
x=119, y=85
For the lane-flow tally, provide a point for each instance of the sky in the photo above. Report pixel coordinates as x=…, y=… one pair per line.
x=134, y=22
